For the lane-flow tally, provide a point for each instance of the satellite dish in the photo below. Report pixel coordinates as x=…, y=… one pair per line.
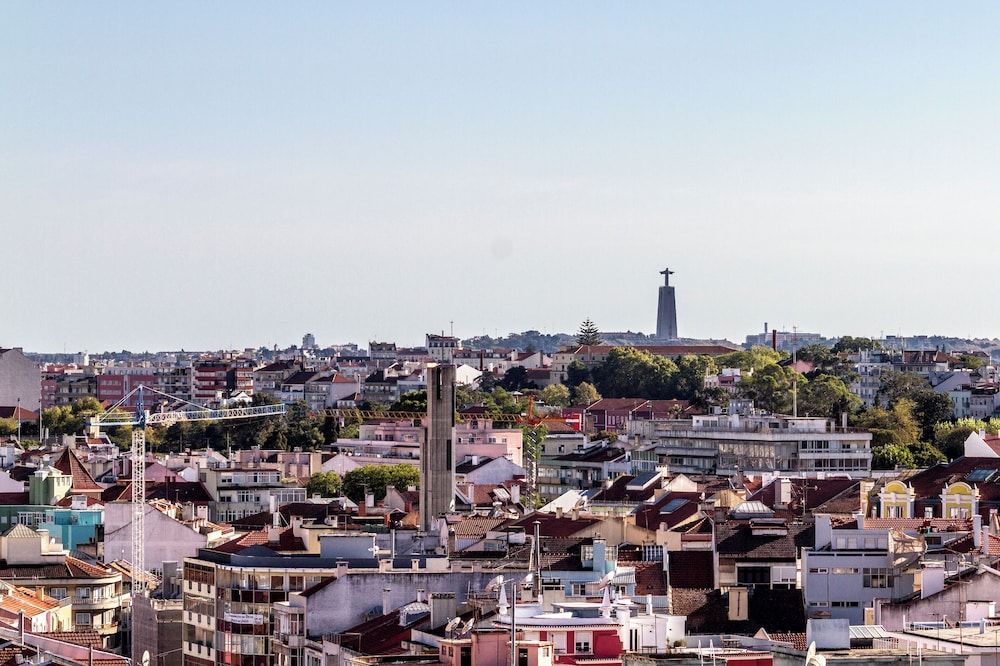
x=145, y=658
x=467, y=627
x=452, y=624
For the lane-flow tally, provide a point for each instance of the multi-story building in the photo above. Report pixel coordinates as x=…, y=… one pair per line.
x=382, y=354
x=442, y=347
x=20, y=380
x=269, y=378
x=177, y=381
x=850, y=567
x=33, y=559
x=210, y=381
x=117, y=382
x=75, y=387
x=581, y=469
x=242, y=491
x=870, y=367
x=723, y=444
x=239, y=378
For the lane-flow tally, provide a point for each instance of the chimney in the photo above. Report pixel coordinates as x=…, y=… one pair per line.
x=515, y=493
x=386, y=601
x=420, y=595
x=783, y=496
x=738, y=604
x=443, y=608
x=931, y=579
x=977, y=531
x=369, y=500
x=559, y=512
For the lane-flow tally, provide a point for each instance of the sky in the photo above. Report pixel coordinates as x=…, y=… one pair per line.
x=232, y=174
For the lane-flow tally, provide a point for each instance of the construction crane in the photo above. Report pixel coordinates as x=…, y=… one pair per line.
x=139, y=420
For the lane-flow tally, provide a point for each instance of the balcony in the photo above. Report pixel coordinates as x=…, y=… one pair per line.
x=199, y=620
x=201, y=650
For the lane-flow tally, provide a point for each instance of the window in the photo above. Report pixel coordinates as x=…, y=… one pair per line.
x=82, y=619
x=845, y=604
x=819, y=571
x=878, y=578
x=57, y=592
x=581, y=642
x=83, y=593
x=841, y=571
x=579, y=589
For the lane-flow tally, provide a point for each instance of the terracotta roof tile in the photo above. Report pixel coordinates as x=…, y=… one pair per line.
x=68, y=463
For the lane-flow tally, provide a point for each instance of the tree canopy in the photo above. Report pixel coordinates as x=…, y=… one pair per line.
x=588, y=334
x=376, y=477
x=585, y=394
x=556, y=395
x=628, y=372
x=325, y=484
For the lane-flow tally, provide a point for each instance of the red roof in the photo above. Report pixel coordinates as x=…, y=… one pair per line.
x=287, y=541
x=69, y=463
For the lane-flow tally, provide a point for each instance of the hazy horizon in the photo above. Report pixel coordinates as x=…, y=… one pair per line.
x=206, y=176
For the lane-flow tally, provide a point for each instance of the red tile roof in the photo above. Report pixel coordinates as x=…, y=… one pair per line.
x=68, y=463
x=286, y=542
x=89, y=638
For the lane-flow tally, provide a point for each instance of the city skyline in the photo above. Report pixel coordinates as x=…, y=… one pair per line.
x=340, y=163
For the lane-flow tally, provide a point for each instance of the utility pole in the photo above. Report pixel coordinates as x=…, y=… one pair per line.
x=795, y=373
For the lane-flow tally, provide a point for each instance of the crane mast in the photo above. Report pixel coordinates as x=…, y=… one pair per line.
x=140, y=419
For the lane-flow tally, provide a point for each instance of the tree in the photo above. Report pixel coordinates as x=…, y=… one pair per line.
x=892, y=456
x=897, y=385
x=895, y=426
x=302, y=428
x=689, y=380
x=376, y=477
x=971, y=361
x=325, y=484
x=8, y=427
x=851, y=344
x=756, y=358
x=534, y=440
x=585, y=394
x=577, y=373
x=516, y=378
x=926, y=454
x=827, y=396
x=628, y=372
x=930, y=408
x=411, y=401
x=69, y=420
x=556, y=395
x=770, y=388
x=589, y=335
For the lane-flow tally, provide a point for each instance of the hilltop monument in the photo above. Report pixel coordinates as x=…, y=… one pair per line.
x=666, y=311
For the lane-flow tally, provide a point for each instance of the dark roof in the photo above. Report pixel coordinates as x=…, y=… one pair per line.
x=15, y=412
x=691, y=569
x=816, y=492
x=180, y=491
x=467, y=465
x=736, y=539
x=14, y=498
x=594, y=454
x=70, y=568
x=707, y=611
x=672, y=509
x=650, y=578
x=380, y=635
x=300, y=377
x=562, y=554
x=119, y=491
x=551, y=525
x=304, y=510
x=618, y=491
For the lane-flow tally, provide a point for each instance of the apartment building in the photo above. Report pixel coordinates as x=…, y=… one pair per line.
x=242, y=491
x=721, y=443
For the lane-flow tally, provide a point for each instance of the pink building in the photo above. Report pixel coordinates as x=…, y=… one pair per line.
x=478, y=437
x=116, y=383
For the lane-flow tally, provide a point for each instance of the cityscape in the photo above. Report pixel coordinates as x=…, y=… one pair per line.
x=429, y=334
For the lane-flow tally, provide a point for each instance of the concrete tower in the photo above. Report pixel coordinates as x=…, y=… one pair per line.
x=666, y=310
x=437, y=455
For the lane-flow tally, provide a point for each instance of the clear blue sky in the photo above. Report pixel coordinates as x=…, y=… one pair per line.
x=206, y=175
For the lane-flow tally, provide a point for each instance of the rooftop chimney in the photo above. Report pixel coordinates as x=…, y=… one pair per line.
x=443, y=608
x=386, y=601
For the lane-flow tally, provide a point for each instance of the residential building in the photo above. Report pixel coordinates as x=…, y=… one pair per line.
x=241, y=491
x=442, y=347
x=850, y=565
x=34, y=559
x=725, y=443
